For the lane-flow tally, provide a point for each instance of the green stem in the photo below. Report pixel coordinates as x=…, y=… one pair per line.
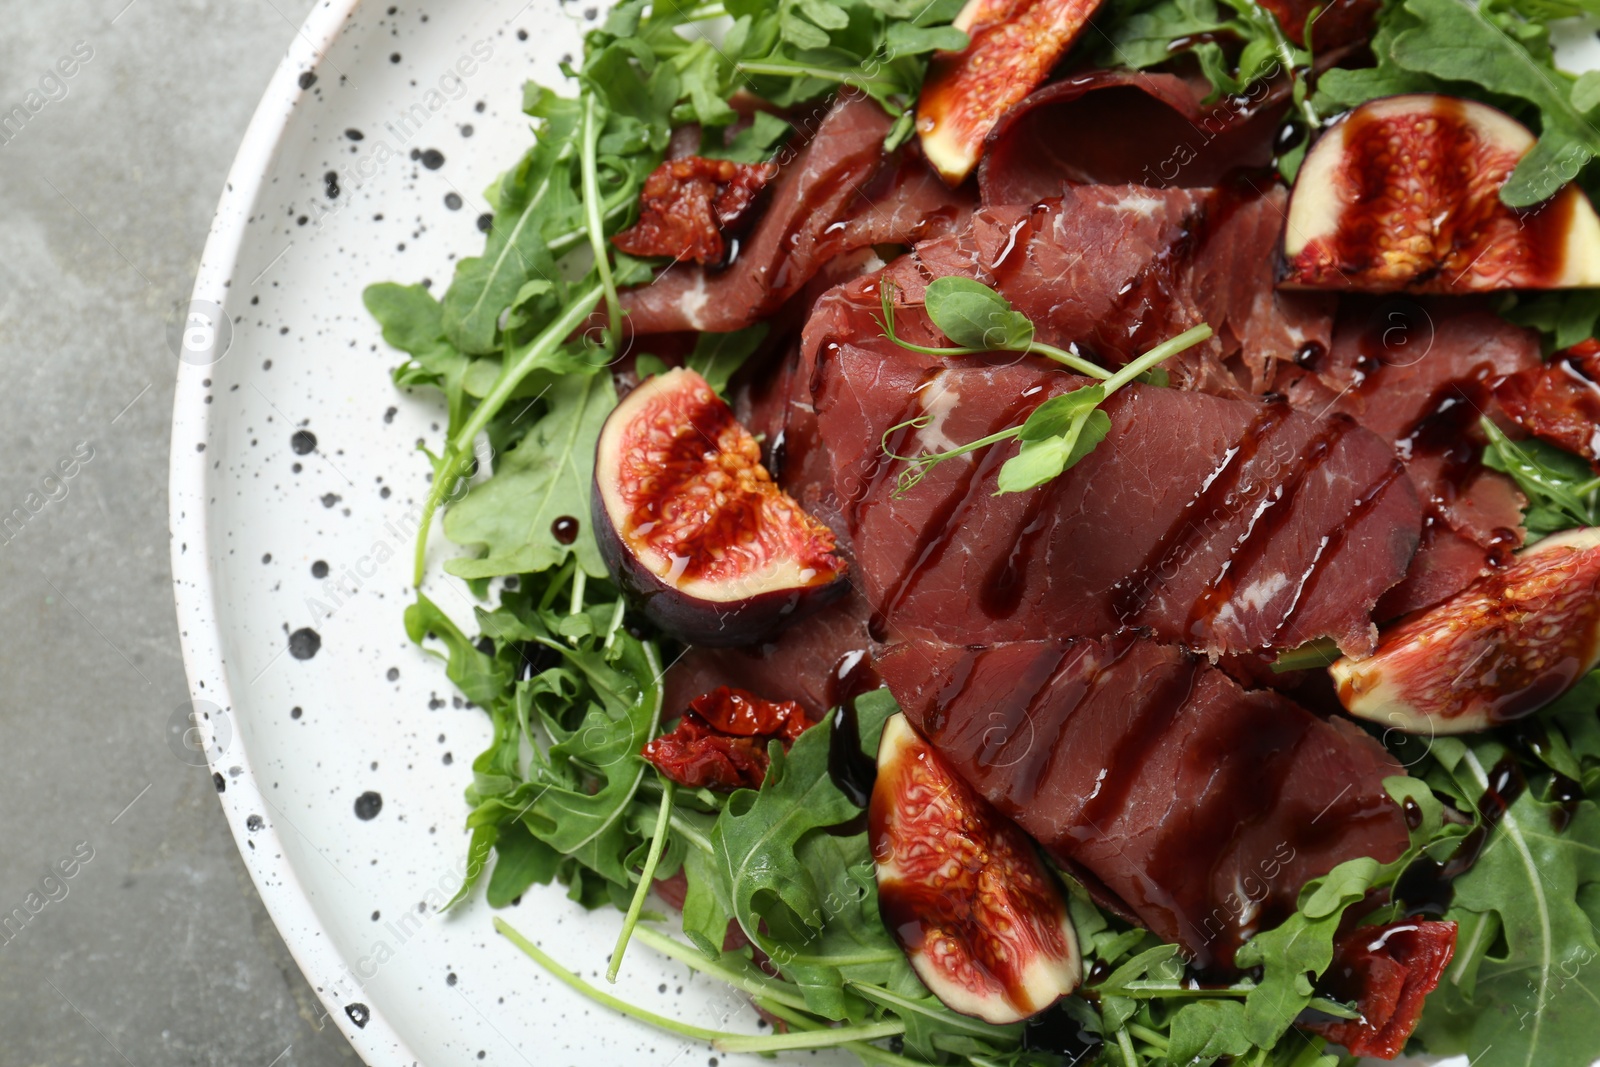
x=826, y=1037
x=971, y=446
x=571, y=980
x=864, y=1052
x=799, y=70
x=580, y=579
x=647, y=876
x=1070, y=359
x=1125, y=1046
x=1148, y=1036
x=459, y=448
x=693, y=836
x=613, y=209
x=1163, y=351
x=590, y=168
x=616, y=623
x=747, y=980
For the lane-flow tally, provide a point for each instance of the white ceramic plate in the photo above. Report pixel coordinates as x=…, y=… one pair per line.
x=297, y=743
x=303, y=748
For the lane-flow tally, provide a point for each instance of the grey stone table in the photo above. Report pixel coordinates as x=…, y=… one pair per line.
x=154, y=950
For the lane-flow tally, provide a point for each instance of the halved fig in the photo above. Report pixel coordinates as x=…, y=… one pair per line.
x=963, y=890
x=691, y=524
x=1013, y=44
x=1502, y=648
x=1403, y=194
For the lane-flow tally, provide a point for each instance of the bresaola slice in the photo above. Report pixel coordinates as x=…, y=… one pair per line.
x=1204, y=808
x=1118, y=269
x=1421, y=374
x=1227, y=525
x=839, y=192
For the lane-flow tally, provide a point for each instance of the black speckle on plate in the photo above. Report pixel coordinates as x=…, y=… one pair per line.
x=254, y=823
x=330, y=499
x=220, y=782
x=486, y=222
x=307, y=79
x=368, y=805
x=452, y=201
x=355, y=135
x=304, y=643
x=303, y=442
x=295, y=713
x=432, y=158
x=319, y=569
x=393, y=675
x=359, y=1014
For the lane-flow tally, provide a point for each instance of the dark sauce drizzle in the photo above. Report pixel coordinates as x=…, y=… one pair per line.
x=851, y=770
x=1427, y=886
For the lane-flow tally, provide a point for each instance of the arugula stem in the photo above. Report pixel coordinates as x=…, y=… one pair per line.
x=647, y=877
x=615, y=624
x=459, y=448
x=567, y=978
x=614, y=209
x=800, y=70
x=755, y=985
x=589, y=165
x=580, y=579
x=864, y=1052
x=1148, y=1036
x=693, y=836
x=1125, y=1046
x=827, y=1037
x=1163, y=351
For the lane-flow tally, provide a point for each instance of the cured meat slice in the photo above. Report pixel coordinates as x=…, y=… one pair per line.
x=1422, y=374
x=1118, y=269
x=1227, y=525
x=1110, y=127
x=838, y=193
x=1203, y=807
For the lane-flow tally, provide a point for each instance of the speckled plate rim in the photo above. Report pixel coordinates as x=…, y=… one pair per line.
x=199, y=627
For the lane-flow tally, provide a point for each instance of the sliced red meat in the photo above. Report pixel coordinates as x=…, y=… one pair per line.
x=1202, y=806
x=1110, y=127
x=1228, y=525
x=839, y=192
x=1422, y=374
x=816, y=663
x=1559, y=402
x=1118, y=269
x=1387, y=972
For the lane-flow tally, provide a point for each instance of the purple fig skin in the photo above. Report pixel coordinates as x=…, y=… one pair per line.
x=690, y=619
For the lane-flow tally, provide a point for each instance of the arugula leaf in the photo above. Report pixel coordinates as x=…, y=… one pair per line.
x=548, y=475
x=1490, y=52
x=1559, y=486
x=1565, y=317
x=717, y=356
x=1526, y=995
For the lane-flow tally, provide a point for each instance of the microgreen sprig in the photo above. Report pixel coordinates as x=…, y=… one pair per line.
x=1055, y=436
x=978, y=320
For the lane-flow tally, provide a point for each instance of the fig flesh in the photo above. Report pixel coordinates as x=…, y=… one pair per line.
x=981, y=920
x=694, y=528
x=1012, y=46
x=1502, y=648
x=1403, y=194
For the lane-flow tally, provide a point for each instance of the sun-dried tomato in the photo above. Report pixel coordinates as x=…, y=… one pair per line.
x=1560, y=401
x=688, y=203
x=721, y=741
x=1386, y=971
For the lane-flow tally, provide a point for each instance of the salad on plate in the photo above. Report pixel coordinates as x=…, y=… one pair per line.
x=1025, y=532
